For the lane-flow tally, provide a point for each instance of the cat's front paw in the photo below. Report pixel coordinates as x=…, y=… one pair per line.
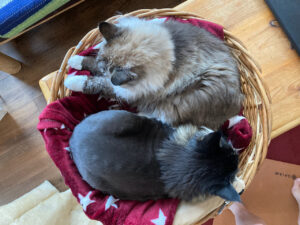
x=76, y=62
x=75, y=83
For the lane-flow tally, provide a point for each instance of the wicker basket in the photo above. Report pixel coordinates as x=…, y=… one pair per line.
x=256, y=104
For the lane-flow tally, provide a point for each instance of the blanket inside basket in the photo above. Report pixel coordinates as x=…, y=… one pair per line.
x=57, y=122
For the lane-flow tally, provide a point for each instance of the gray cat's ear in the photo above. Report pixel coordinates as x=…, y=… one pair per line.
x=228, y=193
x=223, y=142
x=108, y=30
x=214, y=138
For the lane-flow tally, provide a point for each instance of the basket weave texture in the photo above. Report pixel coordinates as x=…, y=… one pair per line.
x=257, y=99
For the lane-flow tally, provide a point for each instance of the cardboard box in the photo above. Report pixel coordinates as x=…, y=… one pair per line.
x=269, y=195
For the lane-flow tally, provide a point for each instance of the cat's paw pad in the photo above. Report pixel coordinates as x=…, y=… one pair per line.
x=76, y=62
x=75, y=83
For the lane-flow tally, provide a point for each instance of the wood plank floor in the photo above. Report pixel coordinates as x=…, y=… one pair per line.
x=24, y=162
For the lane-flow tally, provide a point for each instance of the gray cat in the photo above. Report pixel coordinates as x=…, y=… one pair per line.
x=136, y=158
x=175, y=72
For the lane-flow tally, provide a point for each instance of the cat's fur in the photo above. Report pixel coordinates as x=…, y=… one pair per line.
x=137, y=158
x=172, y=71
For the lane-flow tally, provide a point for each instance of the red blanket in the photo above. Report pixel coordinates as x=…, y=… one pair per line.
x=57, y=122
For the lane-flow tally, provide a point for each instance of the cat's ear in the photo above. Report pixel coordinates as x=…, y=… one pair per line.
x=217, y=139
x=108, y=30
x=223, y=143
x=228, y=193
x=214, y=138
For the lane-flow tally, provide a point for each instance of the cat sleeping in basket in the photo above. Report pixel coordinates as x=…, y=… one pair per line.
x=137, y=158
x=175, y=72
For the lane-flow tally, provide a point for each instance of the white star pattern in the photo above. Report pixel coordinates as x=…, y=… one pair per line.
x=112, y=100
x=62, y=126
x=234, y=120
x=85, y=201
x=111, y=202
x=67, y=149
x=84, y=115
x=236, y=149
x=161, y=220
x=99, y=98
x=115, y=106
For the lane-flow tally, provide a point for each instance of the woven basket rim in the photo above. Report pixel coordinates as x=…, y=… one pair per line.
x=256, y=104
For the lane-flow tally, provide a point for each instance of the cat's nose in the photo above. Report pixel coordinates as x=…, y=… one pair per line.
x=120, y=77
x=116, y=80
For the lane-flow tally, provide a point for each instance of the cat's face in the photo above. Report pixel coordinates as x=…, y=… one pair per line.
x=222, y=160
x=136, y=51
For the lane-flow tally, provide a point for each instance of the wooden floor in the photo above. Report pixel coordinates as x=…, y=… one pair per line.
x=24, y=162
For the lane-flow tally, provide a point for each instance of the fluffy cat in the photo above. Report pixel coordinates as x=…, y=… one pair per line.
x=136, y=158
x=171, y=71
